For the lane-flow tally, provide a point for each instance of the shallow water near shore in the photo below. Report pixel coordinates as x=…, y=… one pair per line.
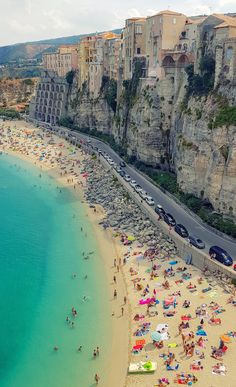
x=41, y=246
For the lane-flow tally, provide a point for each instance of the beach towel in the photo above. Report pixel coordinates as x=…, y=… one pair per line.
x=172, y=345
x=173, y=262
x=201, y=332
x=206, y=290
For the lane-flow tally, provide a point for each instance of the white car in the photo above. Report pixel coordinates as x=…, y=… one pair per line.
x=150, y=201
x=138, y=188
x=133, y=183
x=143, y=194
x=127, y=178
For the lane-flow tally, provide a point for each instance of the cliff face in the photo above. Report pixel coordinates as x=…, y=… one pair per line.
x=204, y=158
x=145, y=128
x=154, y=130
x=89, y=113
x=16, y=92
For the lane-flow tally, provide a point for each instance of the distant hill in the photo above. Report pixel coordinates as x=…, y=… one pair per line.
x=34, y=50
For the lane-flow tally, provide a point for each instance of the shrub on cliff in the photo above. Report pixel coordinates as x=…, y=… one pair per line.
x=109, y=88
x=9, y=113
x=202, y=83
x=225, y=116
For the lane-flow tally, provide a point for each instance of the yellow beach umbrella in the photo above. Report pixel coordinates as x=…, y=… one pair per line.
x=131, y=238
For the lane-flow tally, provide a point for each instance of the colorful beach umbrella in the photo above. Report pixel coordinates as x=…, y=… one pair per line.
x=131, y=238
x=156, y=336
x=225, y=338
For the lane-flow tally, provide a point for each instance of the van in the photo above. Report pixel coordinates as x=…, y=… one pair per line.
x=220, y=255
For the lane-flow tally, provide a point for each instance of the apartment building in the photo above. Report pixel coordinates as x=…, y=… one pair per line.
x=134, y=44
x=98, y=56
x=162, y=33
x=62, y=61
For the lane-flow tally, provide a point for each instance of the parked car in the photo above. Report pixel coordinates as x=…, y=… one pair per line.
x=133, y=183
x=143, y=194
x=169, y=219
x=181, y=230
x=119, y=170
x=138, y=188
x=160, y=210
x=196, y=242
x=220, y=255
x=122, y=164
x=150, y=201
x=127, y=178
x=122, y=173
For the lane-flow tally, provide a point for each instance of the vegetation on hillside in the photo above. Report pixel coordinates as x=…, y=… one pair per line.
x=202, y=83
x=9, y=113
x=109, y=90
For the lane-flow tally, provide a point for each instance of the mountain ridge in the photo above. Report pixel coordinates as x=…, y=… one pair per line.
x=34, y=50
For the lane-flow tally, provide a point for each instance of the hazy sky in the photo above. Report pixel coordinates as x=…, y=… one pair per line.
x=29, y=20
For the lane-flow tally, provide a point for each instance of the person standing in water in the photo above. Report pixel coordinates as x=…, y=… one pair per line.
x=96, y=378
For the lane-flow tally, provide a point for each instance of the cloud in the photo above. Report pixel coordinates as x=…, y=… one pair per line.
x=28, y=20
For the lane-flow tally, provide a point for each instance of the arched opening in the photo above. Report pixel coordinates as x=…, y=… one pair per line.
x=52, y=120
x=48, y=118
x=43, y=87
x=49, y=110
x=46, y=94
x=58, y=112
x=45, y=102
x=168, y=61
x=62, y=89
x=183, y=61
x=43, y=117
x=40, y=86
x=44, y=109
x=47, y=87
x=52, y=88
x=57, y=88
x=42, y=94
x=50, y=102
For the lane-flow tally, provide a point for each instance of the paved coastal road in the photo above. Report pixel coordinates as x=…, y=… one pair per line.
x=181, y=216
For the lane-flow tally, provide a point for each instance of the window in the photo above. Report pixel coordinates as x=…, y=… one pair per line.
x=229, y=53
x=138, y=29
x=174, y=20
x=138, y=50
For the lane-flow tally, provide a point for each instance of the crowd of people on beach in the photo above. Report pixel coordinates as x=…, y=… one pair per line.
x=180, y=316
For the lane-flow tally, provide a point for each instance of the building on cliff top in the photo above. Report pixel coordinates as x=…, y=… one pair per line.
x=134, y=44
x=63, y=60
x=98, y=56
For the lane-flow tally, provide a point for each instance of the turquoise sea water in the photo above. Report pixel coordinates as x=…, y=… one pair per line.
x=41, y=245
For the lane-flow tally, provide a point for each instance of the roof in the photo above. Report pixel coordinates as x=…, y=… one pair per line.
x=198, y=20
x=227, y=21
x=167, y=12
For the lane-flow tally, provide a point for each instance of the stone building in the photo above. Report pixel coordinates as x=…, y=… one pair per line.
x=163, y=31
x=98, y=56
x=134, y=44
x=62, y=61
x=48, y=104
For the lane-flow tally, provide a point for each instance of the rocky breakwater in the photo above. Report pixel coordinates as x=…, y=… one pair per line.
x=122, y=213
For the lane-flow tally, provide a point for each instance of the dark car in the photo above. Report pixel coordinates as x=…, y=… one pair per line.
x=220, y=255
x=122, y=173
x=122, y=164
x=194, y=241
x=181, y=230
x=160, y=210
x=169, y=219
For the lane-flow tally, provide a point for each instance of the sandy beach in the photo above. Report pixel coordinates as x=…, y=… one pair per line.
x=164, y=311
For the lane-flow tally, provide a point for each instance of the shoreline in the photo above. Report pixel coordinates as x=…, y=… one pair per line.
x=106, y=243
x=143, y=274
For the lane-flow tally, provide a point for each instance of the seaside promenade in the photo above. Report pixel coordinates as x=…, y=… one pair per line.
x=163, y=311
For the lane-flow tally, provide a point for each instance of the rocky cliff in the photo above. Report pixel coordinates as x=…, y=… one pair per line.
x=87, y=112
x=153, y=126
x=204, y=156
x=16, y=93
